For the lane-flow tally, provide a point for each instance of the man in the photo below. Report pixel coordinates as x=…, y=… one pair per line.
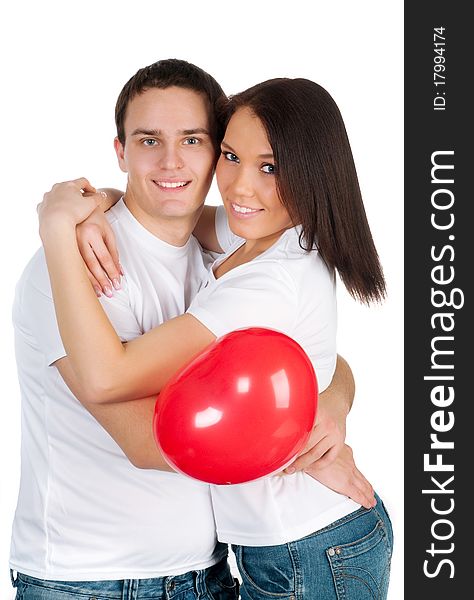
x=88, y=522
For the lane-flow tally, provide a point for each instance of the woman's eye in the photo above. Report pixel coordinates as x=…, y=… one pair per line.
x=230, y=156
x=192, y=141
x=270, y=169
x=149, y=142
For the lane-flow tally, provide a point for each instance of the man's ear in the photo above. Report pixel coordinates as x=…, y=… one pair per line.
x=120, y=152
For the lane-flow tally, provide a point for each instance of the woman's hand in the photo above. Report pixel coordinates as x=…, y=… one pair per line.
x=67, y=204
x=96, y=242
x=343, y=477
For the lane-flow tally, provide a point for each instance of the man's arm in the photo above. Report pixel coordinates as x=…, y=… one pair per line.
x=129, y=423
x=329, y=432
x=326, y=457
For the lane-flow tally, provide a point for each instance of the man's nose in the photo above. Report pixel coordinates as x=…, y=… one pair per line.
x=170, y=158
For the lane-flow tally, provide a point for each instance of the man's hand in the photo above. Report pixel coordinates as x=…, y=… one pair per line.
x=324, y=444
x=344, y=477
x=329, y=432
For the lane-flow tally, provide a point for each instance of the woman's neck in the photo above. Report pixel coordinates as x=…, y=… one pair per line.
x=250, y=250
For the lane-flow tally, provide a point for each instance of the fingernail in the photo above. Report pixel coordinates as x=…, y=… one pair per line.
x=121, y=270
x=97, y=291
x=116, y=283
x=290, y=470
x=108, y=292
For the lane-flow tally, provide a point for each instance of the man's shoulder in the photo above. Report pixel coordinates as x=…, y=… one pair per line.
x=35, y=274
x=123, y=225
x=33, y=297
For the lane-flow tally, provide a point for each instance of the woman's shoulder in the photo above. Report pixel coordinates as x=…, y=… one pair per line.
x=288, y=254
x=264, y=272
x=285, y=262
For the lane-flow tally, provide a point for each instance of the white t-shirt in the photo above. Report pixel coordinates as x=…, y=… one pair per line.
x=292, y=291
x=84, y=511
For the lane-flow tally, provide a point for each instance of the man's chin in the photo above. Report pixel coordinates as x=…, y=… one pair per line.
x=177, y=212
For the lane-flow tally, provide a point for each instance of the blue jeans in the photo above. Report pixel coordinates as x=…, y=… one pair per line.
x=214, y=583
x=347, y=560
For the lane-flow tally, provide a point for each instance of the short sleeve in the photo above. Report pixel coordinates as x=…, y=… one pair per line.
x=35, y=316
x=120, y=313
x=225, y=237
x=260, y=298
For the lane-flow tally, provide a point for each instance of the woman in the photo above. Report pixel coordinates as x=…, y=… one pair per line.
x=292, y=200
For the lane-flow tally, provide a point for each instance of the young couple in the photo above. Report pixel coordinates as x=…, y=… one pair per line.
x=101, y=516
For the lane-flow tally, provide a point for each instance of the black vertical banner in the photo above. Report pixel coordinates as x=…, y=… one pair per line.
x=439, y=443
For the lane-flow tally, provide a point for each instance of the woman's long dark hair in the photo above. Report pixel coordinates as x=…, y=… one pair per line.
x=316, y=177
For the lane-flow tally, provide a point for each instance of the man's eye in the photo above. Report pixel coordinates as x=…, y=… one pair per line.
x=150, y=142
x=192, y=141
x=270, y=169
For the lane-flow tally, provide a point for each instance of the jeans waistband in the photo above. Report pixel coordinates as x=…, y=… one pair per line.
x=125, y=589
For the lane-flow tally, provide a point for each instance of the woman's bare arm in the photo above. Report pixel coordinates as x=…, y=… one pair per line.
x=96, y=241
x=108, y=370
x=97, y=246
x=205, y=229
x=112, y=196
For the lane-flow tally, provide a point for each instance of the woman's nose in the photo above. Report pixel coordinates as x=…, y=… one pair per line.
x=242, y=184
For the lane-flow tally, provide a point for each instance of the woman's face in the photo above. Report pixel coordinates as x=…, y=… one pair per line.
x=246, y=179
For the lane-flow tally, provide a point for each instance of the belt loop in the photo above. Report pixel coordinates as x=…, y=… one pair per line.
x=200, y=583
x=130, y=589
x=124, y=589
x=14, y=578
x=135, y=583
x=127, y=591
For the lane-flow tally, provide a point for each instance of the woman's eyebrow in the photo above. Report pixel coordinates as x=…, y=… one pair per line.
x=226, y=145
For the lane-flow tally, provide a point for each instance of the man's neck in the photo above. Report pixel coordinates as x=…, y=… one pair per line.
x=175, y=231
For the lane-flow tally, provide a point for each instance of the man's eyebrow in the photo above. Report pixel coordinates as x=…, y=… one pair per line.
x=194, y=131
x=151, y=132
x=226, y=145
x=157, y=132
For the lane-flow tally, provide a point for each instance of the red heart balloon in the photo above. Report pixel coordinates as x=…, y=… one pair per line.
x=242, y=409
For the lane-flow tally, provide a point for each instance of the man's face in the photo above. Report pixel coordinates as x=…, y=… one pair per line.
x=168, y=154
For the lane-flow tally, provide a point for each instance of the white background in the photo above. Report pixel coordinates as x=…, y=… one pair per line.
x=63, y=66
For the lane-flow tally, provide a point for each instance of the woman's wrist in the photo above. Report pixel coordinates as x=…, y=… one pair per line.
x=57, y=231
